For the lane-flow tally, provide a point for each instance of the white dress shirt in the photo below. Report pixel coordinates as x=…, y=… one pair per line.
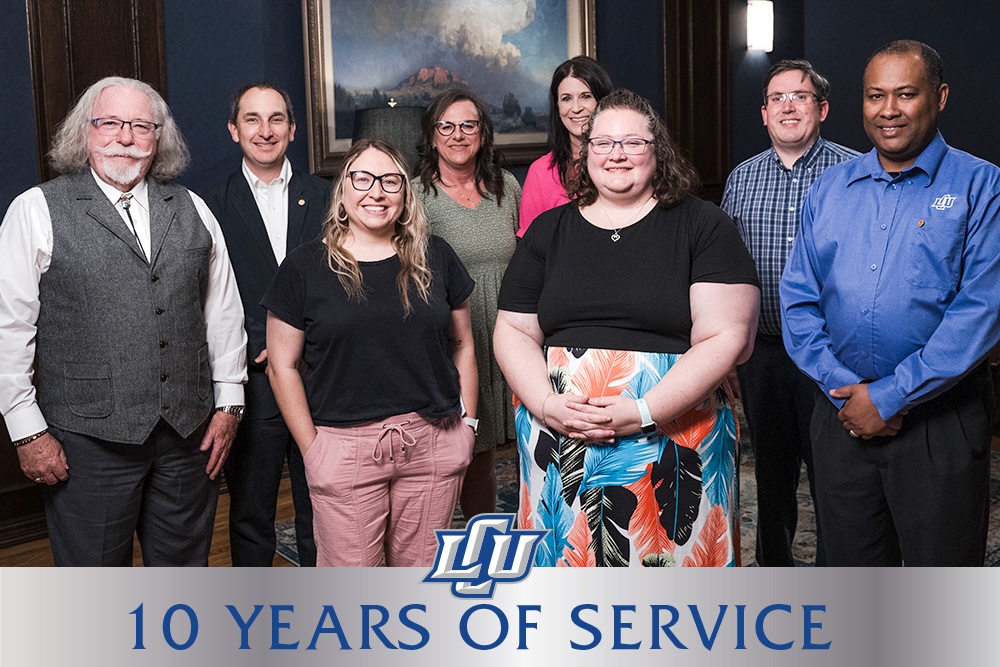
x=272, y=202
x=26, y=253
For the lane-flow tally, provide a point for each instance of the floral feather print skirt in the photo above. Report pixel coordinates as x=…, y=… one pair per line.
x=662, y=500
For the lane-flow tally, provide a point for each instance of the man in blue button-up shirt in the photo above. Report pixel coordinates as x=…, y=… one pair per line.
x=890, y=302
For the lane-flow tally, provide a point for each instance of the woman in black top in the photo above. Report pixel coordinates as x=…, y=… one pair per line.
x=620, y=315
x=371, y=360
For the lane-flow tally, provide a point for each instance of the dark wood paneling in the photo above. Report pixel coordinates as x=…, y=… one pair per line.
x=22, y=515
x=74, y=43
x=696, y=74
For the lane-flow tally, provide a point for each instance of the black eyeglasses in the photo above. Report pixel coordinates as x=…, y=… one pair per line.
x=446, y=129
x=112, y=126
x=363, y=181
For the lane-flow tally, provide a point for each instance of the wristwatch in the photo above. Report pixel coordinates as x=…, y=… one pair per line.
x=648, y=425
x=234, y=410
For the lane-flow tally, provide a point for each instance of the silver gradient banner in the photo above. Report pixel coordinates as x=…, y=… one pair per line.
x=908, y=617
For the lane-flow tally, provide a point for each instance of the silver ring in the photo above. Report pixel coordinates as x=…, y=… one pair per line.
x=38, y=480
x=853, y=434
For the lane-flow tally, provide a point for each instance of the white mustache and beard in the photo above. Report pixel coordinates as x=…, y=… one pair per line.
x=123, y=174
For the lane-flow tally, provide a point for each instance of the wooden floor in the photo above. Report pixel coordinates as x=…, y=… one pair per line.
x=38, y=553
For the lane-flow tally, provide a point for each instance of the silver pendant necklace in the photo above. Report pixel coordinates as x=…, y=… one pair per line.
x=615, y=236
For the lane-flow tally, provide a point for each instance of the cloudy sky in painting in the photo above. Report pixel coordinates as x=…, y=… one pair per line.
x=495, y=45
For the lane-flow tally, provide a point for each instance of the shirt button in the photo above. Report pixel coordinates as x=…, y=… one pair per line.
x=864, y=310
x=864, y=354
x=791, y=208
x=795, y=180
x=154, y=279
x=159, y=311
x=163, y=378
x=883, y=226
x=874, y=267
x=791, y=238
x=163, y=343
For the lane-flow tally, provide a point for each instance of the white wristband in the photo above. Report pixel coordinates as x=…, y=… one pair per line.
x=644, y=415
x=474, y=423
x=648, y=426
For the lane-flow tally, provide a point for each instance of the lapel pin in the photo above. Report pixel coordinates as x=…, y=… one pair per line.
x=302, y=202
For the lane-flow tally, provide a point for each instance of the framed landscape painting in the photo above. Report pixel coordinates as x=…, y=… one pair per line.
x=364, y=54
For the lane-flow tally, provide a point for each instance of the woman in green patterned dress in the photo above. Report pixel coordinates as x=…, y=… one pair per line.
x=473, y=204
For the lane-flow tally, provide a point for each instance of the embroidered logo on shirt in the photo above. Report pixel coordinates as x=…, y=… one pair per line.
x=944, y=202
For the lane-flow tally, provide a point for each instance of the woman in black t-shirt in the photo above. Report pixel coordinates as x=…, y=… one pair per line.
x=621, y=314
x=370, y=356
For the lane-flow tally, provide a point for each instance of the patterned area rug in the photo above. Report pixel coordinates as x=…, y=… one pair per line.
x=804, y=549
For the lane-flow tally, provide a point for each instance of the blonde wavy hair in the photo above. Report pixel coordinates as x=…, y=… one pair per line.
x=411, y=237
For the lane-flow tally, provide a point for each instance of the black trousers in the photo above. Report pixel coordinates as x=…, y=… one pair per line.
x=158, y=490
x=778, y=400
x=918, y=498
x=253, y=475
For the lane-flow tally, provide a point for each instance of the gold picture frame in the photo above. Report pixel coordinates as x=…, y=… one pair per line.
x=376, y=35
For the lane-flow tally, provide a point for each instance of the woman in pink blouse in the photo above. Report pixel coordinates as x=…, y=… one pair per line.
x=577, y=85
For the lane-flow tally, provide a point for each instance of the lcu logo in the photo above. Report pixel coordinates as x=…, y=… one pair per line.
x=944, y=202
x=487, y=551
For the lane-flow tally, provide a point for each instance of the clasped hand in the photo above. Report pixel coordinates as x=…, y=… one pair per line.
x=859, y=415
x=591, y=419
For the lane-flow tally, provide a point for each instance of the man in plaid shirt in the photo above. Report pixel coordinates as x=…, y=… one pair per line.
x=763, y=195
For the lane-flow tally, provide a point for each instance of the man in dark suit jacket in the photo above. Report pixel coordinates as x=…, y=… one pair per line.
x=266, y=210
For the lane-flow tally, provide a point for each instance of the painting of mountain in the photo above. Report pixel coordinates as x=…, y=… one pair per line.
x=407, y=51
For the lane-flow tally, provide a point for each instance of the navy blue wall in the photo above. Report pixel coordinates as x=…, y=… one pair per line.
x=630, y=46
x=212, y=49
x=838, y=37
x=747, y=69
x=17, y=150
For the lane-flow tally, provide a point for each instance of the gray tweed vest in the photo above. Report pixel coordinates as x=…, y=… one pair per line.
x=121, y=341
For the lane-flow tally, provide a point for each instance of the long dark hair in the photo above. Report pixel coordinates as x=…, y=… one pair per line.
x=489, y=175
x=591, y=73
x=674, y=177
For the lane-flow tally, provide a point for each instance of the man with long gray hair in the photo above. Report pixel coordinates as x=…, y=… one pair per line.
x=117, y=288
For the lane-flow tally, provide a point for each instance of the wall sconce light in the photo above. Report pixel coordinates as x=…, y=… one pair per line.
x=760, y=25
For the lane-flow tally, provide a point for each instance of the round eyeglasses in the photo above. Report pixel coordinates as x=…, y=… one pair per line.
x=446, y=129
x=633, y=146
x=112, y=126
x=363, y=181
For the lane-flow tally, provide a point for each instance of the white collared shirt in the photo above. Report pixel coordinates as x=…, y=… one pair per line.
x=139, y=210
x=272, y=202
x=26, y=254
